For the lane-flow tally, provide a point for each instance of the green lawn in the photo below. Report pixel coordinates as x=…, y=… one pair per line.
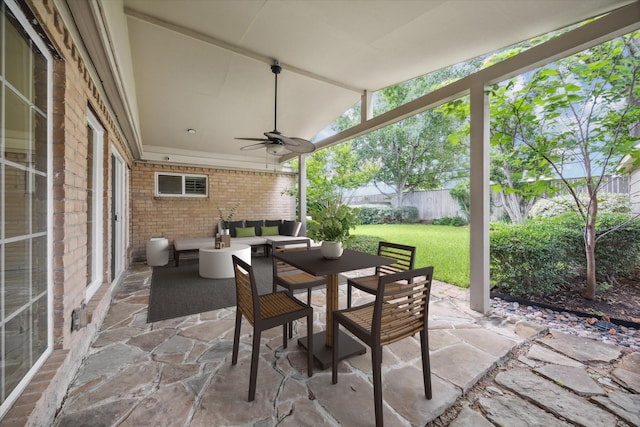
x=444, y=247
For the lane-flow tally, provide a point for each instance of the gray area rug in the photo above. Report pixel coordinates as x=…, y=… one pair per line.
x=180, y=291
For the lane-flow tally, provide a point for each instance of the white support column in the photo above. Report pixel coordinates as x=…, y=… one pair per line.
x=479, y=222
x=366, y=109
x=302, y=192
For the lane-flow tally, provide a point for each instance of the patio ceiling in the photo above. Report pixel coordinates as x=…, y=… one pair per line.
x=174, y=65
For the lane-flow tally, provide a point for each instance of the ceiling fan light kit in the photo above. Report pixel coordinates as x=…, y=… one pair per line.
x=275, y=142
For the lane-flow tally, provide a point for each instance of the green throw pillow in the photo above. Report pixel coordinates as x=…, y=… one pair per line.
x=245, y=232
x=270, y=231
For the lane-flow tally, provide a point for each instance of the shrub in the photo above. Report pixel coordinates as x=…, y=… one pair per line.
x=374, y=214
x=406, y=215
x=617, y=243
x=362, y=243
x=558, y=205
x=528, y=258
x=455, y=221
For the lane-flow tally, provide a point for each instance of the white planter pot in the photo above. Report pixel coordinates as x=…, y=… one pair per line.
x=331, y=250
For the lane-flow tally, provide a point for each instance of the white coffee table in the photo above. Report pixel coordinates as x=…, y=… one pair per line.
x=217, y=263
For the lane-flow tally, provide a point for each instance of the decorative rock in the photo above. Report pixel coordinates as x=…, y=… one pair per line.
x=577, y=348
x=537, y=352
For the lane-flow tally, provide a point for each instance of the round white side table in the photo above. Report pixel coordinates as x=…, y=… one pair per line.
x=217, y=263
x=157, y=251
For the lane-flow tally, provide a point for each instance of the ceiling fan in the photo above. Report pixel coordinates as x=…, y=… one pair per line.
x=275, y=142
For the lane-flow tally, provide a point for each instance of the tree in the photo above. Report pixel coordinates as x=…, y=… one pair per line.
x=416, y=153
x=578, y=112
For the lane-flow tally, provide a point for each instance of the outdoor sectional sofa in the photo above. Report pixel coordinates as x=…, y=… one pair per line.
x=263, y=234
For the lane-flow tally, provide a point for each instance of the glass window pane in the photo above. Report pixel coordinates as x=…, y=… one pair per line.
x=16, y=202
x=16, y=287
x=18, y=57
x=39, y=325
x=18, y=141
x=38, y=203
x=16, y=355
x=39, y=266
x=169, y=184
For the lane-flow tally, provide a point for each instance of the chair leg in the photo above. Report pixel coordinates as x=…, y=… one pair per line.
x=426, y=363
x=290, y=323
x=284, y=334
x=310, y=343
x=376, y=362
x=255, y=352
x=236, y=337
x=348, y=295
x=334, y=354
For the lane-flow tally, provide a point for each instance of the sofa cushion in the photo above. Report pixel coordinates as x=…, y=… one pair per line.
x=272, y=222
x=269, y=231
x=251, y=241
x=245, y=232
x=255, y=224
x=287, y=227
x=232, y=225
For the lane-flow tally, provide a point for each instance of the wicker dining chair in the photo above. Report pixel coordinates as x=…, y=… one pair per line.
x=405, y=257
x=265, y=312
x=290, y=277
x=401, y=309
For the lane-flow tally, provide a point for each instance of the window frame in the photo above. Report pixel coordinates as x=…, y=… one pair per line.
x=184, y=177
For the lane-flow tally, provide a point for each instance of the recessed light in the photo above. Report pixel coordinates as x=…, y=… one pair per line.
x=191, y=131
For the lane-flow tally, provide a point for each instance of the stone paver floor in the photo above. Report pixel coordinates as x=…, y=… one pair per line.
x=486, y=370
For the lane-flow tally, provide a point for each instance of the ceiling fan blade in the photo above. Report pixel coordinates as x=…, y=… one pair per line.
x=254, y=139
x=254, y=146
x=298, y=145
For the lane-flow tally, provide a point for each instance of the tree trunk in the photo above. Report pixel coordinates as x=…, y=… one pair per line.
x=589, y=292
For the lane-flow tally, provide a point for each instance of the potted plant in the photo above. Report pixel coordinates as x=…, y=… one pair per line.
x=330, y=225
x=224, y=222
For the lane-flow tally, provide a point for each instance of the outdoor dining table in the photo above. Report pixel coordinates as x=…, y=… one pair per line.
x=314, y=263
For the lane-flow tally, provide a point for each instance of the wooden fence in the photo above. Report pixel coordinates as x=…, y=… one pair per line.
x=436, y=204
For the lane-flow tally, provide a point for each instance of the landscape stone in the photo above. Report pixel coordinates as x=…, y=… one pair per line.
x=106, y=415
x=470, y=418
x=151, y=340
x=167, y=403
x=509, y=410
x=624, y=405
x=527, y=330
x=582, y=349
x=461, y=364
x=107, y=361
x=631, y=362
x=175, y=344
x=628, y=379
x=554, y=398
x=486, y=340
x=543, y=354
x=576, y=379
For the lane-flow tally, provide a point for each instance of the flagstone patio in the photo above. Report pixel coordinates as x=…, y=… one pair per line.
x=485, y=369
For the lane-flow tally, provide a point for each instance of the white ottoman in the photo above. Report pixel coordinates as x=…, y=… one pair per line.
x=217, y=263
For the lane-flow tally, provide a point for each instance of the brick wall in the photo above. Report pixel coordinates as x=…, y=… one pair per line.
x=258, y=195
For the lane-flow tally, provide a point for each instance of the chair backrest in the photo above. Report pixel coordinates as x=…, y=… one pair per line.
x=405, y=256
x=246, y=290
x=402, y=304
x=280, y=267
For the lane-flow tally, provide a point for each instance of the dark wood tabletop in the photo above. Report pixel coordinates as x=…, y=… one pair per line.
x=314, y=263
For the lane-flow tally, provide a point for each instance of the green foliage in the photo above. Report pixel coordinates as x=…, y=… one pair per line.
x=537, y=256
x=607, y=203
x=461, y=194
x=454, y=221
x=528, y=259
x=374, y=214
x=362, y=243
x=406, y=215
x=332, y=222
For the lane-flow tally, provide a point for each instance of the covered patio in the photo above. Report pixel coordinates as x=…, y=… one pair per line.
x=485, y=369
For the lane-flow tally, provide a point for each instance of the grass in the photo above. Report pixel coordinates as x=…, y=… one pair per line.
x=444, y=247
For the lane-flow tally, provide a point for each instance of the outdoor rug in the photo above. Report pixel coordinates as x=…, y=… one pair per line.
x=180, y=291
